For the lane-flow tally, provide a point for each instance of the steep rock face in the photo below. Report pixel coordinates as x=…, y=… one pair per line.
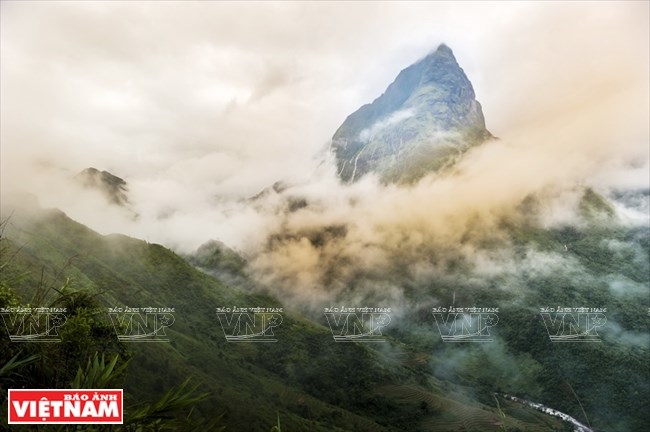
x=424, y=119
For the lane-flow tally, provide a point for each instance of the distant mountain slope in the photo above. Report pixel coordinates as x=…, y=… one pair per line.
x=425, y=118
x=595, y=259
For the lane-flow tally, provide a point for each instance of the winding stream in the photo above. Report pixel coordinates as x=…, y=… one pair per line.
x=578, y=427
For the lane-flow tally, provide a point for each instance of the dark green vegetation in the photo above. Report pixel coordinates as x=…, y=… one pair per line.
x=312, y=382
x=600, y=263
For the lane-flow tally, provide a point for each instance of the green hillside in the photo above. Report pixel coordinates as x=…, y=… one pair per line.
x=313, y=383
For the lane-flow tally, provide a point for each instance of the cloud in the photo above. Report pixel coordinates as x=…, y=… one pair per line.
x=200, y=106
x=396, y=117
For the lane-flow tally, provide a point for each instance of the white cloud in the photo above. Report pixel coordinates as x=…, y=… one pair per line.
x=394, y=118
x=199, y=105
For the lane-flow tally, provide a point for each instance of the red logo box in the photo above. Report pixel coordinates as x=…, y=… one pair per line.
x=87, y=406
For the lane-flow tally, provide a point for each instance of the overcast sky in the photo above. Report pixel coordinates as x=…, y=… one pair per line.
x=194, y=100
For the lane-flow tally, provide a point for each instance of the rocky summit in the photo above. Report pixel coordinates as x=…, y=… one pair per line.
x=423, y=121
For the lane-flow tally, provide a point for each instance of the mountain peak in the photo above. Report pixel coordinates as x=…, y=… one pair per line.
x=426, y=115
x=444, y=49
x=113, y=187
